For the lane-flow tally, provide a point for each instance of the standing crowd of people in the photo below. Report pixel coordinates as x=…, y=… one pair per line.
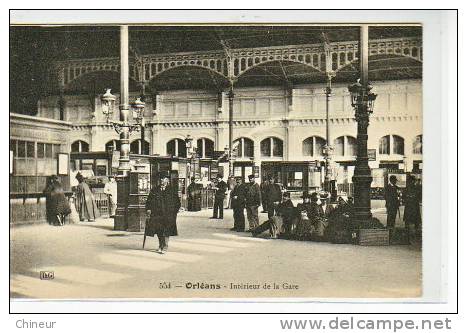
x=315, y=218
x=284, y=219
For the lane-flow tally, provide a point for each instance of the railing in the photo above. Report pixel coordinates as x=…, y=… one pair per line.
x=207, y=198
x=346, y=188
x=26, y=208
x=102, y=202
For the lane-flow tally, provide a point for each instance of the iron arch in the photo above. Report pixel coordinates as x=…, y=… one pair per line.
x=188, y=77
x=278, y=71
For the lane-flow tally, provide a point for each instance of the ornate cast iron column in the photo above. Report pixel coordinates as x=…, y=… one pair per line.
x=123, y=127
x=120, y=219
x=124, y=162
x=328, y=149
x=231, y=100
x=362, y=101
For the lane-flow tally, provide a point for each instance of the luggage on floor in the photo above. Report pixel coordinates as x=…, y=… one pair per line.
x=274, y=225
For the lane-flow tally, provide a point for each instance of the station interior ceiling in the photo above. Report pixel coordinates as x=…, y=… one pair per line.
x=34, y=49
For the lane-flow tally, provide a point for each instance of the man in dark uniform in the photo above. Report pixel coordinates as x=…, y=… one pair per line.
x=273, y=196
x=253, y=200
x=162, y=206
x=391, y=194
x=221, y=189
x=238, y=205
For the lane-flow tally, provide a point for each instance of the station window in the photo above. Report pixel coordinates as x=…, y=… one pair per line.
x=139, y=147
x=176, y=147
x=391, y=144
x=384, y=145
x=21, y=149
x=40, y=150
x=244, y=147
x=112, y=145
x=398, y=145
x=79, y=146
x=345, y=146
x=313, y=146
x=30, y=149
x=339, y=146
x=205, y=147
x=271, y=147
x=34, y=158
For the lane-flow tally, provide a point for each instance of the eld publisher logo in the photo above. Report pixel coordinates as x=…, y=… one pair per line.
x=46, y=275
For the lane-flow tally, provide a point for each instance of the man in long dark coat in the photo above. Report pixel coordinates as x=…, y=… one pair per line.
x=162, y=205
x=391, y=195
x=238, y=205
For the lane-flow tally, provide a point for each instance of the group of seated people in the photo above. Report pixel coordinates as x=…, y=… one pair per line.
x=316, y=218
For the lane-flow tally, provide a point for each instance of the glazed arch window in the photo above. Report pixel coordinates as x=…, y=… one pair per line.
x=384, y=145
x=313, y=146
x=139, y=147
x=398, y=145
x=176, y=147
x=391, y=144
x=244, y=147
x=205, y=147
x=79, y=146
x=272, y=147
x=112, y=145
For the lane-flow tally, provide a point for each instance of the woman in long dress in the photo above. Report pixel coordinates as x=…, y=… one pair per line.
x=85, y=203
x=56, y=204
x=194, y=196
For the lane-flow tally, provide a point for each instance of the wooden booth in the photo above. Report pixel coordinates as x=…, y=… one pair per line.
x=294, y=176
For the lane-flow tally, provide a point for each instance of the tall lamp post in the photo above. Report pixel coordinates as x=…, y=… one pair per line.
x=362, y=100
x=123, y=128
